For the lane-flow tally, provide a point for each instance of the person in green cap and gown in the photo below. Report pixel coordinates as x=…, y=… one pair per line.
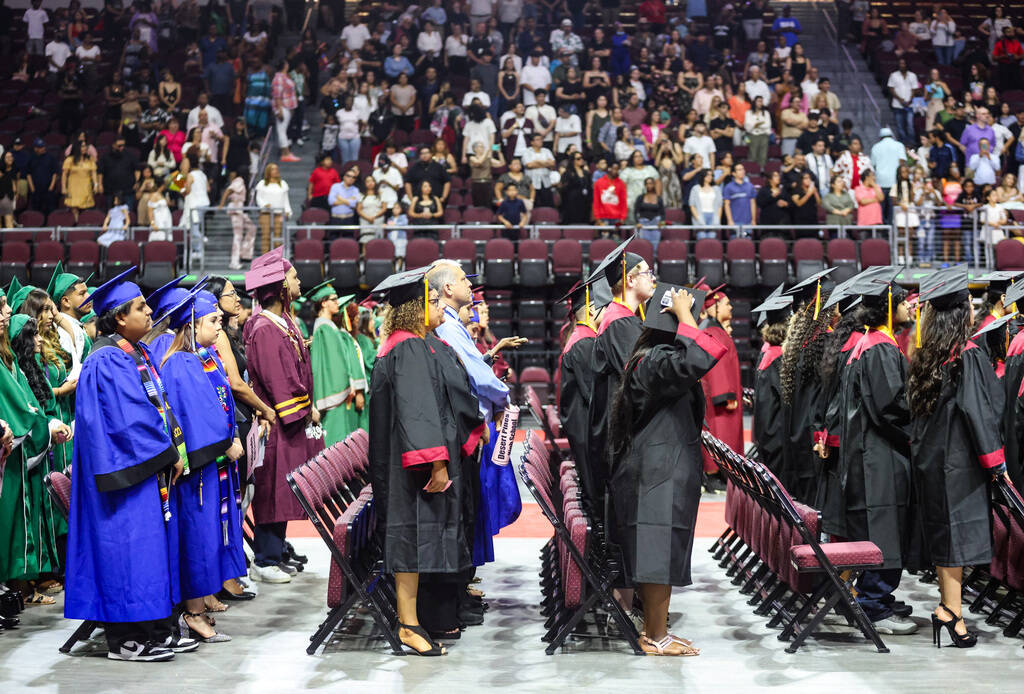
x=359, y=326
x=24, y=554
x=339, y=384
x=68, y=291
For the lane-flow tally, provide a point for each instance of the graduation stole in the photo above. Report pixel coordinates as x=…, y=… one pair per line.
x=154, y=388
x=206, y=356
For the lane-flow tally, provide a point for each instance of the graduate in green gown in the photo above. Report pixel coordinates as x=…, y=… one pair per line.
x=339, y=384
x=25, y=551
x=358, y=325
x=68, y=291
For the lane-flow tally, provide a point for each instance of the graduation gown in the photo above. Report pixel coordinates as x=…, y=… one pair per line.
x=867, y=486
x=655, y=487
x=1013, y=432
x=122, y=561
x=26, y=541
x=337, y=374
x=61, y=408
x=952, y=452
x=576, y=378
x=366, y=353
x=800, y=466
x=282, y=376
x=827, y=420
x=721, y=385
x=409, y=430
x=613, y=347
x=209, y=526
x=768, y=432
x=158, y=347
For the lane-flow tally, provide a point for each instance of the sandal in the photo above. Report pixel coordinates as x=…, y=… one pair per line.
x=217, y=605
x=51, y=587
x=677, y=639
x=667, y=646
x=189, y=632
x=436, y=649
x=38, y=598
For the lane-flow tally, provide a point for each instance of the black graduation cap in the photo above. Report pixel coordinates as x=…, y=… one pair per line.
x=403, y=286
x=1000, y=280
x=1000, y=323
x=810, y=289
x=775, y=308
x=875, y=283
x=658, y=319
x=946, y=288
x=1014, y=294
x=616, y=264
x=843, y=292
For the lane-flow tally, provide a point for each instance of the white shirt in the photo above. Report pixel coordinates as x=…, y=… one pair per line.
x=355, y=36
x=1003, y=136
x=810, y=89
x=920, y=30
x=73, y=344
x=57, y=52
x=456, y=47
x=429, y=42
x=902, y=86
x=35, y=20
x=484, y=97
x=274, y=195
x=538, y=77
x=984, y=168
x=479, y=132
x=702, y=145
x=758, y=88
x=509, y=11
x=348, y=124
x=213, y=117
x=88, y=54
x=569, y=125
x=479, y=8
x=388, y=195
x=943, y=34
x=757, y=123
x=547, y=112
x=539, y=178
x=821, y=166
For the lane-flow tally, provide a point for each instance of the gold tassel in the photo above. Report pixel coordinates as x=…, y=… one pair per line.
x=426, y=303
x=586, y=311
x=888, y=322
x=917, y=328
x=641, y=307
x=817, y=301
x=623, y=277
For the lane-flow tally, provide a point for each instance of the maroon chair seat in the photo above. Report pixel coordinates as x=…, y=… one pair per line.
x=462, y=251
x=379, y=262
x=877, y=252
x=566, y=259
x=844, y=555
x=420, y=252
x=673, y=266
x=499, y=263
x=533, y=263
x=709, y=258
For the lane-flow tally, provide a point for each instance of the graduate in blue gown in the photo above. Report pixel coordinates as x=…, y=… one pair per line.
x=209, y=525
x=160, y=301
x=122, y=567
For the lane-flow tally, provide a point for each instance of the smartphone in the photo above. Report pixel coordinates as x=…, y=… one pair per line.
x=494, y=148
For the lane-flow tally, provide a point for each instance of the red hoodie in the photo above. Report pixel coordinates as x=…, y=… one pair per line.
x=609, y=199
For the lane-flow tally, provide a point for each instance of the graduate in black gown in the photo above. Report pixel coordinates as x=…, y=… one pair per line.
x=415, y=464
x=587, y=302
x=632, y=283
x=956, y=448
x=868, y=488
x=1013, y=377
x=655, y=443
x=993, y=303
x=772, y=320
x=800, y=378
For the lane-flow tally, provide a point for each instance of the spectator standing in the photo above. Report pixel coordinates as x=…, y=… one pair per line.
x=806, y=201
x=758, y=126
x=839, y=204
x=80, y=181
x=820, y=164
x=869, y=196
x=195, y=191
x=649, y=211
x=635, y=175
x=974, y=133
x=321, y=179
x=793, y=123
x=272, y=199
x=355, y=35
x=349, y=128
x=389, y=181
x=852, y=164
x=542, y=115
x=175, y=137
x=706, y=205
x=568, y=130
x=943, y=34
x=772, y=203
x=699, y=143
x=36, y=19
x=43, y=171
x=425, y=169
x=479, y=128
x=371, y=211
x=284, y=101
x=482, y=163
x=887, y=155
x=539, y=162
x=787, y=26
x=512, y=214
x=117, y=172
x=515, y=176
x=343, y=198
x=426, y=209
x=403, y=103
x=577, y=191
x=739, y=200
x=610, y=206
x=984, y=165
x=903, y=85
x=243, y=231
x=534, y=76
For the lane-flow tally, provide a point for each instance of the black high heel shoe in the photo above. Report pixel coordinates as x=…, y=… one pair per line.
x=435, y=647
x=967, y=640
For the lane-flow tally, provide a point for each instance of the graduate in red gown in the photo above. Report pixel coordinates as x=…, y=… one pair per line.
x=723, y=391
x=993, y=304
x=282, y=375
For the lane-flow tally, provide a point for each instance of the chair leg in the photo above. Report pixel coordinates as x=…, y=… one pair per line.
x=766, y=605
x=781, y=613
x=571, y=623
x=1003, y=604
x=801, y=614
x=1013, y=628
x=983, y=596
x=334, y=617
x=83, y=632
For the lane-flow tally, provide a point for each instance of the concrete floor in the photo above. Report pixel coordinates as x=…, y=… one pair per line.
x=739, y=653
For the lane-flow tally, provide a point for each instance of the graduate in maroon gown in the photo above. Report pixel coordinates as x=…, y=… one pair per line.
x=282, y=375
x=723, y=390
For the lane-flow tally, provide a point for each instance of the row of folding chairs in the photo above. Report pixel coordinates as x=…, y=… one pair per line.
x=333, y=489
x=771, y=549
x=578, y=566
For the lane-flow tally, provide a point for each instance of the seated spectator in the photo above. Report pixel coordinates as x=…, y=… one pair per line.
x=426, y=209
x=343, y=198
x=160, y=221
x=739, y=200
x=512, y=214
x=706, y=205
x=321, y=180
x=116, y=223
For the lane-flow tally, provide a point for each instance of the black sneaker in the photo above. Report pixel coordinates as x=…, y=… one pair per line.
x=180, y=644
x=287, y=568
x=901, y=609
x=141, y=652
x=293, y=555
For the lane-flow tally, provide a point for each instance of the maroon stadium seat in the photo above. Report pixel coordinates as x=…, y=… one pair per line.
x=452, y=215
x=599, y=250
x=533, y=263
x=499, y=265
x=707, y=254
x=544, y=215
x=477, y=234
x=478, y=215
x=537, y=378
x=31, y=218
x=463, y=251
x=674, y=215
x=842, y=255
x=567, y=259
x=308, y=258
x=314, y=215
x=874, y=252
x=576, y=234
x=83, y=258
x=673, y=266
x=421, y=252
x=60, y=218
x=120, y=256
x=644, y=249
x=808, y=258
x=379, y=262
x=91, y=218
x=774, y=270
x=46, y=256
x=308, y=233
x=741, y=256
x=159, y=263
x=1009, y=255
x=343, y=262
x=14, y=259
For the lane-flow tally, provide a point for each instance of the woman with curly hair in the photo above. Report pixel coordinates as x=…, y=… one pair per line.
x=802, y=352
x=956, y=451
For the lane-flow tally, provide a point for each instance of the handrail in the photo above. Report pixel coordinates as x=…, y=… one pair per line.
x=257, y=172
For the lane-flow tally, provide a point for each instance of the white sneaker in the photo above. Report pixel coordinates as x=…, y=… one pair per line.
x=268, y=574
x=896, y=625
x=141, y=652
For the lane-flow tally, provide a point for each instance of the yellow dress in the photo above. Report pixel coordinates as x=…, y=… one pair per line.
x=78, y=192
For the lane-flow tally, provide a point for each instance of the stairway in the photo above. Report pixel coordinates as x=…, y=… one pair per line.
x=847, y=71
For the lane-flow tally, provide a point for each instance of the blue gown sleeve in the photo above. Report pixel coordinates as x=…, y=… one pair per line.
x=194, y=402
x=114, y=418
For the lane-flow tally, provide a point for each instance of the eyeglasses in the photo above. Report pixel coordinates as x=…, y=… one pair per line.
x=434, y=302
x=649, y=273
x=228, y=294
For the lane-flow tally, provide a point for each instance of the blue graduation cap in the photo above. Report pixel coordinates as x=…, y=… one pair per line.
x=164, y=297
x=114, y=292
x=194, y=304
